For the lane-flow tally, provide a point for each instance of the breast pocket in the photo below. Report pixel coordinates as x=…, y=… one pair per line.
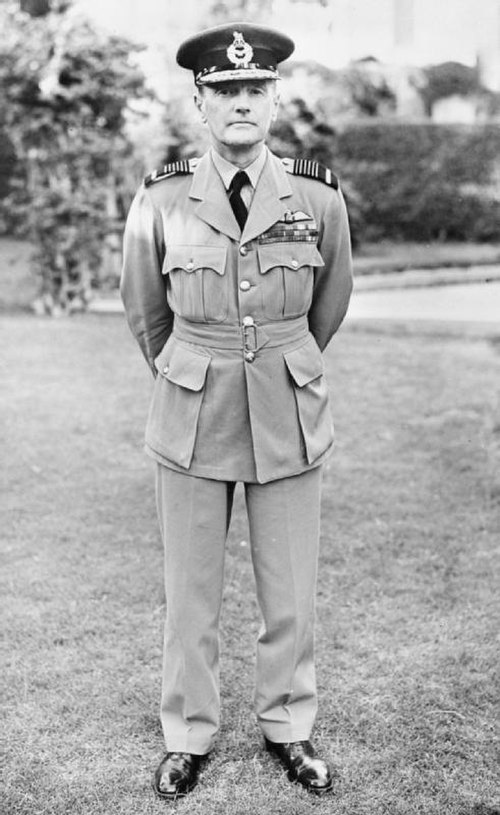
x=198, y=282
x=287, y=271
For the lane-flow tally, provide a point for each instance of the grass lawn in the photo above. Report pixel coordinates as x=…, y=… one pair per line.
x=408, y=618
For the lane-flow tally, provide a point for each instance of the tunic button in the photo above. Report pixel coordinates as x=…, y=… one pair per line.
x=245, y=285
x=249, y=356
x=165, y=370
x=295, y=264
x=248, y=320
x=190, y=266
x=243, y=250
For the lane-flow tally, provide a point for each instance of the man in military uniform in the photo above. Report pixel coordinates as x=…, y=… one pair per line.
x=237, y=273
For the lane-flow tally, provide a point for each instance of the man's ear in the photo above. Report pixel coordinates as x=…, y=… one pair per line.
x=199, y=102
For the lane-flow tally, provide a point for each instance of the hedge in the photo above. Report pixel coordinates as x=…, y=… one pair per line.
x=422, y=181
x=405, y=180
x=7, y=162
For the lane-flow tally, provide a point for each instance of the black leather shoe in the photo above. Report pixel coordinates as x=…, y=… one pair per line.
x=299, y=758
x=176, y=775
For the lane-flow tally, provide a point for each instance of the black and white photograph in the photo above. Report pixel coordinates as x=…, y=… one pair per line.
x=250, y=407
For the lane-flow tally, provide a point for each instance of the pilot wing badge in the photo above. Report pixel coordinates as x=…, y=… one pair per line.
x=295, y=226
x=297, y=215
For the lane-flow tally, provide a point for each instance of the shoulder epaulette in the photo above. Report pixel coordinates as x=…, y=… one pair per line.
x=311, y=169
x=184, y=167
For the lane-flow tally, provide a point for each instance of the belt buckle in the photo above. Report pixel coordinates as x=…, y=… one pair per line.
x=250, y=338
x=249, y=342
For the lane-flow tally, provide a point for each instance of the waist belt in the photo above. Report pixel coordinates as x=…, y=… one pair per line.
x=248, y=337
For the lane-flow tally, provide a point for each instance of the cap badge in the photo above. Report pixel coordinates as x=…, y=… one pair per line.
x=240, y=53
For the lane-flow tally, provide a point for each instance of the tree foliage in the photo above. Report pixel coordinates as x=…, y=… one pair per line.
x=368, y=88
x=449, y=79
x=66, y=89
x=253, y=10
x=36, y=8
x=258, y=11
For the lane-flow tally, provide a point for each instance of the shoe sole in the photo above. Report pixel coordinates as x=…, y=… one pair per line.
x=172, y=796
x=310, y=788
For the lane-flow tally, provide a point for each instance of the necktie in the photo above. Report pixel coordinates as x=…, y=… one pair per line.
x=235, y=199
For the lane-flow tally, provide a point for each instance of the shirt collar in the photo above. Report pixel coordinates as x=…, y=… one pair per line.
x=227, y=170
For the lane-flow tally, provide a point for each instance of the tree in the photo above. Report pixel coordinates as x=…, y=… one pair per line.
x=448, y=79
x=369, y=90
x=35, y=8
x=66, y=89
x=253, y=10
x=257, y=11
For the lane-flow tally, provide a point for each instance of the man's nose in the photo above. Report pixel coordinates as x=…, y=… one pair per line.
x=242, y=101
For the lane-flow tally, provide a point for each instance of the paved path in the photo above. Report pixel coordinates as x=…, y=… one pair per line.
x=467, y=303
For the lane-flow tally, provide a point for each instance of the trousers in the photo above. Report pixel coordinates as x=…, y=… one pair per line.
x=284, y=518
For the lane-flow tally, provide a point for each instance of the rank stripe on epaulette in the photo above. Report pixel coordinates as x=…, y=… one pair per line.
x=183, y=167
x=311, y=169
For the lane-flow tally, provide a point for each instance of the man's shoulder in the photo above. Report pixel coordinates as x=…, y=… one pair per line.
x=171, y=170
x=306, y=168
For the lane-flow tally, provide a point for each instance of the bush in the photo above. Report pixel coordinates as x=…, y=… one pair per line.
x=424, y=182
x=7, y=163
x=65, y=91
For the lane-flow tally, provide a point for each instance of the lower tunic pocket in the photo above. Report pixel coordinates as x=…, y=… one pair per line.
x=176, y=403
x=305, y=365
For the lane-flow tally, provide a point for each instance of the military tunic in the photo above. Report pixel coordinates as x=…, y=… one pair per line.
x=233, y=323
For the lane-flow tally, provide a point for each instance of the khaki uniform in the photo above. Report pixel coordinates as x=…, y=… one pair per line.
x=233, y=325
x=234, y=401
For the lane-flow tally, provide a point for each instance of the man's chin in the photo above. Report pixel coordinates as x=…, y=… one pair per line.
x=242, y=142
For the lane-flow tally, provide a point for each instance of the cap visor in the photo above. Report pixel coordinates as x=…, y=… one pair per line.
x=238, y=73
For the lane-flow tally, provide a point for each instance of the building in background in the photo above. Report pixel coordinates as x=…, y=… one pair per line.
x=332, y=32
x=397, y=32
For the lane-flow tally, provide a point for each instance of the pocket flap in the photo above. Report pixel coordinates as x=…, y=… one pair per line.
x=192, y=258
x=304, y=363
x=291, y=255
x=183, y=367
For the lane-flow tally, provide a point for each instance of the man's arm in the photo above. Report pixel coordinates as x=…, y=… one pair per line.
x=142, y=284
x=333, y=281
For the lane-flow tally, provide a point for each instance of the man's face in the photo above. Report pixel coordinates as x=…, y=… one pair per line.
x=238, y=114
